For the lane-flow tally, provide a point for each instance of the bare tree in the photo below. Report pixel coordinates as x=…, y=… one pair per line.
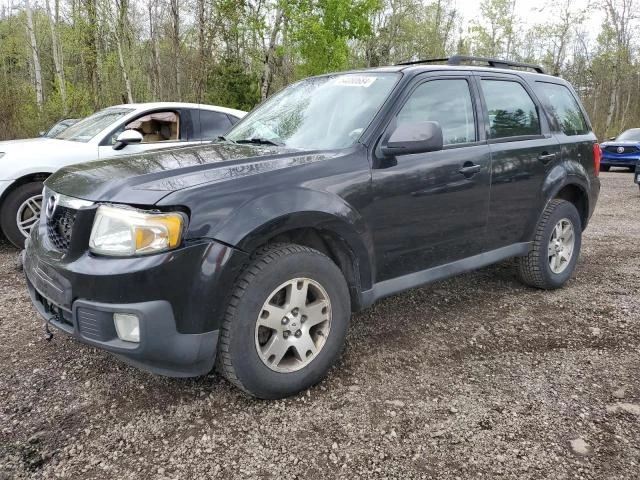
x=269, y=57
x=175, y=41
x=37, y=70
x=122, y=33
x=57, y=55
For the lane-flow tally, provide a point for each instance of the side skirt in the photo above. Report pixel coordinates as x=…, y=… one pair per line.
x=406, y=282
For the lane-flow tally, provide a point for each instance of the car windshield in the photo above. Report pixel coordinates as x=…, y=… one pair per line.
x=88, y=128
x=319, y=113
x=632, y=135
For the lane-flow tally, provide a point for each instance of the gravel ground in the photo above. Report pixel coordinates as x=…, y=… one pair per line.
x=472, y=377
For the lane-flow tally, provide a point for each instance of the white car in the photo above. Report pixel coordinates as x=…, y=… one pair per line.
x=119, y=130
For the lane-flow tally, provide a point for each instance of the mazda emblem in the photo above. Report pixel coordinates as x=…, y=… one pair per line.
x=52, y=203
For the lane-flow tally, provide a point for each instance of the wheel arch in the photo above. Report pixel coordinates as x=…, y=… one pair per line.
x=570, y=183
x=322, y=232
x=315, y=218
x=39, y=176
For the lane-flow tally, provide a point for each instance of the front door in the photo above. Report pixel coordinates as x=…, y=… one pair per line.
x=430, y=209
x=159, y=129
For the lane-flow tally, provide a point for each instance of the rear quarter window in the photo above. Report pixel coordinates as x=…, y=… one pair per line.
x=563, y=107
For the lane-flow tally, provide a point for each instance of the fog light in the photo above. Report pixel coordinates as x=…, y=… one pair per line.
x=127, y=326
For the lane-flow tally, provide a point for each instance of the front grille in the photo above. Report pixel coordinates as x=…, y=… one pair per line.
x=60, y=226
x=614, y=149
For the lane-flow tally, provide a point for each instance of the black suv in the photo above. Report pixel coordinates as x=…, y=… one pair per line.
x=340, y=190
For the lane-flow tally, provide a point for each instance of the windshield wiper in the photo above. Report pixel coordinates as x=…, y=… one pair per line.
x=260, y=141
x=222, y=138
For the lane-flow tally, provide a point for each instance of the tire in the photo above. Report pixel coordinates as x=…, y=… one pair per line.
x=632, y=169
x=12, y=204
x=605, y=168
x=242, y=357
x=535, y=269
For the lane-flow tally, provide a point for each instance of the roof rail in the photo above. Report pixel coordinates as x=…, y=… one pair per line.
x=492, y=62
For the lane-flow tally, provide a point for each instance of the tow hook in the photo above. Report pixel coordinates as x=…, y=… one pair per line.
x=48, y=334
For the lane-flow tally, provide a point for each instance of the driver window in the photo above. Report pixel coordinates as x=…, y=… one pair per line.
x=447, y=102
x=155, y=127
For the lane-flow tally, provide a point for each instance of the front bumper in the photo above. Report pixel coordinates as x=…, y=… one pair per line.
x=611, y=160
x=178, y=334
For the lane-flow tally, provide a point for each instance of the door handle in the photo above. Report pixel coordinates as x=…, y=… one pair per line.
x=469, y=169
x=545, y=157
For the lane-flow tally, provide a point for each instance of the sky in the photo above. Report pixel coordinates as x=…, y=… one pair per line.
x=529, y=12
x=533, y=12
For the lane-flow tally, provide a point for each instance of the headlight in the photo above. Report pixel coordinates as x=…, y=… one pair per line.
x=122, y=232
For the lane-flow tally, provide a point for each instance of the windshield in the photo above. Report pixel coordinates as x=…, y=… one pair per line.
x=88, y=128
x=318, y=113
x=632, y=135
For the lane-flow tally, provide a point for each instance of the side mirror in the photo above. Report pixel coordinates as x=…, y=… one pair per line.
x=126, y=138
x=612, y=138
x=42, y=133
x=409, y=138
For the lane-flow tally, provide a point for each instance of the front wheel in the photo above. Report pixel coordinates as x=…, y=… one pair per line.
x=604, y=168
x=21, y=211
x=285, y=323
x=556, y=247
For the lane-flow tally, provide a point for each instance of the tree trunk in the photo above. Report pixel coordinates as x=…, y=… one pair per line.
x=267, y=66
x=122, y=33
x=36, y=57
x=92, y=40
x=613, y=99
x=202, y=50
x=175, y=40
x=155, y=62
x=57, y=56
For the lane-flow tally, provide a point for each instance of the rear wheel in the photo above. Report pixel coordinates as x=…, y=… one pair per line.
x=285, y=323
x=556, y=247
x=21, y=211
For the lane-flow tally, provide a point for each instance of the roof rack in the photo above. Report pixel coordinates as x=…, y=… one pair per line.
x=492, y=62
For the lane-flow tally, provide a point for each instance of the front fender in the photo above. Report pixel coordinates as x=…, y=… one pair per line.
x=256, y=222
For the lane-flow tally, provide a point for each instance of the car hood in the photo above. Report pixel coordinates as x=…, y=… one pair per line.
x=30, y=147
x=623, y=143
x=145, y=179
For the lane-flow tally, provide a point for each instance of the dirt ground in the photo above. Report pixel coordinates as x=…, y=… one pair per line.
x=477, y=376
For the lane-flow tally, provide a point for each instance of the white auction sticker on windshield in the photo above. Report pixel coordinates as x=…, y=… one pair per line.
x=354, y=81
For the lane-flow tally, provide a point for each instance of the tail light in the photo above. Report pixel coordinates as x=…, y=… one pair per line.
x=597, y=155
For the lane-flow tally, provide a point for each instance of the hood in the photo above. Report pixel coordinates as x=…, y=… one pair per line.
x=621, y=143
x=147, y=178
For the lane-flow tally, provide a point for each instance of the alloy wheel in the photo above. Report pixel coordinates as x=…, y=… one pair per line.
x=561, y=246
x=28, y=214
x=293, y=325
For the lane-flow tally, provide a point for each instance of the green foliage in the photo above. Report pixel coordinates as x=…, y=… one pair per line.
x=225, y=55
x=229, y=85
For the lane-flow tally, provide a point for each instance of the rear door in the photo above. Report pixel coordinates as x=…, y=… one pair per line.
x=523, y=149
x=431, y=208
x=213, y=124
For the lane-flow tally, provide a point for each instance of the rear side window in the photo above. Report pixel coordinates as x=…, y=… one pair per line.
x=564, y=108
x=512, y=112
x=447, y=102
x=213, y=124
